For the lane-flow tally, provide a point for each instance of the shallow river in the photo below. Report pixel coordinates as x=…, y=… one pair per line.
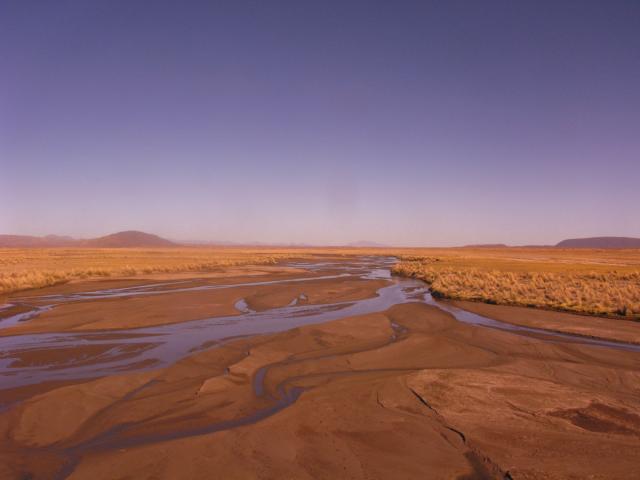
x=164, y=345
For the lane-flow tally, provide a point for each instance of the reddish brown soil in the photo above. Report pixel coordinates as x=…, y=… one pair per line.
x=442, y=400
x=589, y=326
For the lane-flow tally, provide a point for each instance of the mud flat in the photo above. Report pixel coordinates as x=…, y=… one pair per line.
x=605, y=328
x=145, y=304
x=393, y=388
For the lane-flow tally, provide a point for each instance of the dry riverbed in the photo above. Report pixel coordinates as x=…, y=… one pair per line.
x=407, y=391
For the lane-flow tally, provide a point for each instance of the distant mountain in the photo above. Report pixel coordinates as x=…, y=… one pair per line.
x=130, y=238
x=487, y=245
x=35, y=242
x=209, y=243
x=600, y=242
x=365, y=243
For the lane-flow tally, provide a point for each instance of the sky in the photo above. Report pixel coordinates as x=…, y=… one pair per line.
x=406, y=123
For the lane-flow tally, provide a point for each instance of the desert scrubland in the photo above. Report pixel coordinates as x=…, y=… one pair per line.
x=595, y=282
x=27, y=268
x=586, y=281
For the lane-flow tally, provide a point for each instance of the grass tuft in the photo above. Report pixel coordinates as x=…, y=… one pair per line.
x=604, y=290
x=22, y=269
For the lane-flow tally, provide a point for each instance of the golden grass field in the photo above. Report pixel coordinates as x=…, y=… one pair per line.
x=22, y=269
x=596, y=282
x=27, y=268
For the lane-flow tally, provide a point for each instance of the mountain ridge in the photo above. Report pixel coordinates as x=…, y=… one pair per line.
x=124, y=239
x=600, y=242
x=139, y=239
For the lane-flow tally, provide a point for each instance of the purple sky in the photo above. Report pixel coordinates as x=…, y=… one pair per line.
x=408, y=123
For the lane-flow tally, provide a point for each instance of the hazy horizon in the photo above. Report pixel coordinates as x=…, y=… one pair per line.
x=411, y=123
x=357, y=243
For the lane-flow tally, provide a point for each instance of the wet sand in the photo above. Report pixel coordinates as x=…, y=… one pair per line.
x=615, y=329
x=144, y=311
x=407, y=392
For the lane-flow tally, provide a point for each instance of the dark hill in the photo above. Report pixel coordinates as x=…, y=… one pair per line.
x=117, y=240
x=600, y=242
x=130, y=238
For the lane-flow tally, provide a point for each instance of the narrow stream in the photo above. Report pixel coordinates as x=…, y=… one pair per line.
x=159, y=346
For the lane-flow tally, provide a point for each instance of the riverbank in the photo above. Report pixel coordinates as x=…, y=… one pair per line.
x=617, y=330
x=590, y=282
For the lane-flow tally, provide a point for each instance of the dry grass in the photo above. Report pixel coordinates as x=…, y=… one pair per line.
x=22, y=269
x=27, y=268
x=601, y=282
x=596, y=282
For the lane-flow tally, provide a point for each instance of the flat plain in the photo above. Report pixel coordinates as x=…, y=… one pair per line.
x=318, y=363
